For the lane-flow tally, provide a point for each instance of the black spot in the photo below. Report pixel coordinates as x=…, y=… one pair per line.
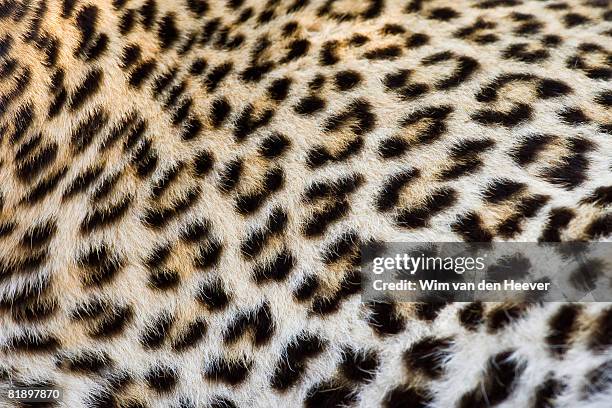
x=250, y=202
x=321, y=220
x=24, y=118
x=148, y=12
x=500, y=379
x=343, y=248
x=396, y=79
x=470, y=147
x=220, y=110
x=309, y=105
x=85, y=131
x=33, y=310
x=102, y=264
x=471, y=228
x=428, y=356
x=131, y=54
x=600, y=337
x=85, y=362
x=546, y=393
x=317, y=82
x=297, y=49
x=126, y=22
x=154, y=335
x=359, y=366
x=222, y=402
x=327, y=54
x=33, y=342
x=429, y=310
x=87, y=88
x=294, y=360
x=604, y=98
x=163, y=81
x=570, y=173
x=180, y=114
x=551, y=41
x=528, y=149
x=573, y=116
x=30, y=168
x=44, y=186
x=574, y=19
x=471, y=316
x=392, y=147
x=112, y=323
x=599, y=228
x=417, y=40
x=208, y=255
x=209, y=30
x=165, y=179
x=519, y=113
x=279, y=89
x=358, y=40
x=231, y=372
x=406, y=396
x=290, y=28
x=502, y=190
x=418, y=217
x=158, y=256
x=213, y=295
x=198, y=66
x=276, y=270
x=216, y=75
x=230, y=175
x=195, y=231
x=86, y=21
x=338, y=188
x=559, y=219
x=387, y=53
x=392, y=29
x=164, y=279
x=274, y=146
x=96, y=49
x=346, y=80
x=161, y=378
x=389, y=195
x=501, y=316
x=329, y=394
x=191, y=128
x=159, y=217
x=520, y=52
x=600, y=197
x=514, y=266
x=259, y=321
x=384, y=318
x=247, y=122
x=142, y=72
x=102, y=217
x=562, y=327
x=350, y=285
x=307, y=288
x=255, y=73
x=198, y=7
x=551, y=88
x=443, y=14
x=191, y=335
x=67, y=8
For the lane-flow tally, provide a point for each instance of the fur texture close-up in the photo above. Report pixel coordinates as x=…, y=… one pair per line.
x=185, y=186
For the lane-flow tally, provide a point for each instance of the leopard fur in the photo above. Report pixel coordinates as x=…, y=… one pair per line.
x=184, y=186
